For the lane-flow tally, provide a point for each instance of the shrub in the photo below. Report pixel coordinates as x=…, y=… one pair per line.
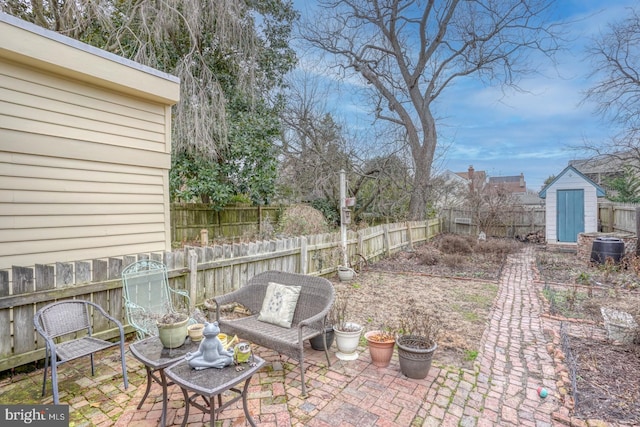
x=453, y=260
x=499, y=248
x=453, y=244
x=300, y=220
x=430, y=257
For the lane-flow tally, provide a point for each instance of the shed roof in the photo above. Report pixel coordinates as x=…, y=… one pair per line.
x=599, y=190
x=45, y=49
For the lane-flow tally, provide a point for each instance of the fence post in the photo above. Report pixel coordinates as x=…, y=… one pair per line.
x=387, y=240
x=612, y=223
x=304, y=255
x=409, y=237
x=193, y=278
x=637, y=231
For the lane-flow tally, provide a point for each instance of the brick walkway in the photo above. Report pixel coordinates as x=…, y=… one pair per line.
x=514, y=359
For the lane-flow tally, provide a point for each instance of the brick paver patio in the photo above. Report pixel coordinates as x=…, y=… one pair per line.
x=515, y=358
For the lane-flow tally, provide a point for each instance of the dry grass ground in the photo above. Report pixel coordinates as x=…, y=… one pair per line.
x=453, y=279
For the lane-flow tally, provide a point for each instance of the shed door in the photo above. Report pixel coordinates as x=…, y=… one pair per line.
x=570, y=215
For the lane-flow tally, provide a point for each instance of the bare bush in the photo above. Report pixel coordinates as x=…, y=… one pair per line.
x=455, y=244
x=499, y=248
x=429, y=257
x=453, y=260
x=301, y=220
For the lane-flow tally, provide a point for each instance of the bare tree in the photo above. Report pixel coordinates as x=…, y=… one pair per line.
x=615, y=56
x=315, y=147
x=196, y=40
x=411, y=51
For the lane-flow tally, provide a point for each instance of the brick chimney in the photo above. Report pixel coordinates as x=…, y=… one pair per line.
x=470, y=174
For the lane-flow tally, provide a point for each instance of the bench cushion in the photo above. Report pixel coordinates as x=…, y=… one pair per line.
x=279, y=304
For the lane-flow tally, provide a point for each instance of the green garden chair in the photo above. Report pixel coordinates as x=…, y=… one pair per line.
x=148, y=296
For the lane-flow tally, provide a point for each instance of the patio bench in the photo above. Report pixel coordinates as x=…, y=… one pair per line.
x=314, y=302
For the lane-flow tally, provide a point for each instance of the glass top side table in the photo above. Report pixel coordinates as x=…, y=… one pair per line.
x=212, y=382
x=155, y=358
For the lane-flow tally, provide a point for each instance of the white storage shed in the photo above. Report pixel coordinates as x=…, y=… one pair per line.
x=571, y=206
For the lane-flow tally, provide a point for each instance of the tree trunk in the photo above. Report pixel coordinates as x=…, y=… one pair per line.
x=422, y=154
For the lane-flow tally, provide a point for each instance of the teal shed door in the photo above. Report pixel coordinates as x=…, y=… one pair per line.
x=570, y=215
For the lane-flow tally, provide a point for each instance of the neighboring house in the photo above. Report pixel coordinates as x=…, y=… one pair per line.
x=85, y=150
x=530, y=198
x=451, y=189
x=510, y=184
x=476, y=180
x=602, y=169
x=571, y=206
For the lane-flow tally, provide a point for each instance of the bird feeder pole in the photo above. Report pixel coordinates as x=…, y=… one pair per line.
x=343, y=225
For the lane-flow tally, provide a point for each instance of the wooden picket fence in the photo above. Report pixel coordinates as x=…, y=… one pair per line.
x=203, y=271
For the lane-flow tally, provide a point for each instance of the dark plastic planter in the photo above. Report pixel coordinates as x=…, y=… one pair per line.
x=607, y=247
x=317, y=343
x=414, y=357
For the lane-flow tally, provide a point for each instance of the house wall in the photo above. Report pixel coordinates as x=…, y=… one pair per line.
x=85, y=150
x=571, y=181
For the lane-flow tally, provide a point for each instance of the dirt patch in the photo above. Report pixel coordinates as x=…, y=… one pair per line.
x=452, y=278
x=379, y=300
x=604, y=374
x=607, y=381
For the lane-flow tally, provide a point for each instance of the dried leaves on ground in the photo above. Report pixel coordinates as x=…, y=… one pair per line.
x=452, y=278
x=456, y=277
x=604, y=373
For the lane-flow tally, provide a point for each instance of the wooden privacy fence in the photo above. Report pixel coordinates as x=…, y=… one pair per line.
x=512, y=222
x=203, y=271
x=617, y=217
x=187, y=219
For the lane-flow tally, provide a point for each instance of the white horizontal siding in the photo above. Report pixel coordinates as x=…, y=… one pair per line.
x=71, y=111
x=83, y=170
x=15, y=142
x=36, y=219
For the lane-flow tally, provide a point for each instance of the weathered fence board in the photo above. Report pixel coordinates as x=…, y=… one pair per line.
x=512, y=222
x=214, y=270
x=617, y=217
x=233, y=221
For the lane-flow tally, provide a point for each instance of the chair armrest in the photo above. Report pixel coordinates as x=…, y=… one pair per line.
x=239, y=296
x=182, y=293
x=109, y=317
x=313, y=319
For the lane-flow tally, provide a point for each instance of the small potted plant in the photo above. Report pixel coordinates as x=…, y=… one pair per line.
x=381, y=343
x=346, y=274
x=172, y=329
x=417, y=342
x=196, y=331
x=347, y=334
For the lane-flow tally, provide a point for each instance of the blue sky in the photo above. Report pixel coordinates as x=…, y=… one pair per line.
x=529, y=132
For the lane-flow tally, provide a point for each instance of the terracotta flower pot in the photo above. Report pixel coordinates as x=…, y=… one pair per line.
x=380, y=348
